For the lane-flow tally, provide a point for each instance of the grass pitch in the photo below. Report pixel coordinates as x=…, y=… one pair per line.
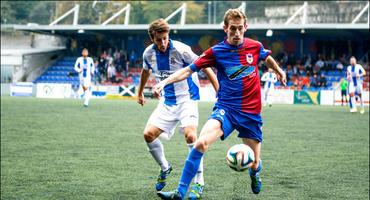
x=56, y=149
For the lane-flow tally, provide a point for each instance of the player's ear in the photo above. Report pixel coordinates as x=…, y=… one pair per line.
x=246, y=27
x=225, y=28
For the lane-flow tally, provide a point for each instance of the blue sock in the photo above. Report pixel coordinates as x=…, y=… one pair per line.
x=189, y=171
x=254, y=172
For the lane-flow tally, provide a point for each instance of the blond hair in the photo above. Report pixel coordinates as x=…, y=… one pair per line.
x=158, y=26
x=234, y=14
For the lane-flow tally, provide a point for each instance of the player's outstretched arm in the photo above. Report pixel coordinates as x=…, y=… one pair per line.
x=271, y=63
x=179, y=75
x=143, y=79
x=212, y=77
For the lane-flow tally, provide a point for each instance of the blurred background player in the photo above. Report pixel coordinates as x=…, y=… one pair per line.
x=85, y=67
x=270, y=79
x=239, y=98
x=179, y=102
x=343, y=88
x=355, y=72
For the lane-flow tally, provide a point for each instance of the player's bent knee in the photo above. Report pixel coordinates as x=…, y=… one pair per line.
x=149, y=136
x=201, y=145
x=190, y=138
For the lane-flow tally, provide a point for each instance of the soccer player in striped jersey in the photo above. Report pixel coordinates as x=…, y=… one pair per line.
x=239, y=98
x=270, y=79
x=85, y=67
x=179, y=102
x=355, y=73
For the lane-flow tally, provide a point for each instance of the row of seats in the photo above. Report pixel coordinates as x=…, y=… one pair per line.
x=60, y=73
x=57, y=78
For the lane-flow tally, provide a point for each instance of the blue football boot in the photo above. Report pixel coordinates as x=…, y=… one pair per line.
x=196, y=192
x=174, y=195
x=256, y=182
x=161, y=181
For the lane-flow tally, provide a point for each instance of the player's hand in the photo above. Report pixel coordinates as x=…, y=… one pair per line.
x=141, y=99
x=157, y=89
x=282, y=77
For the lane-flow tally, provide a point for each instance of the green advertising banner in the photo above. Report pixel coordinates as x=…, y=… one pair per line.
x=306, y=97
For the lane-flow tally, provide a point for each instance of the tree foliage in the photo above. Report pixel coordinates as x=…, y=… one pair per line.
x=142, y=12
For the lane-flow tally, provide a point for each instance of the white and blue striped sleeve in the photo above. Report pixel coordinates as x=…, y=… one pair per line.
x=146, y=59
x=77, y=65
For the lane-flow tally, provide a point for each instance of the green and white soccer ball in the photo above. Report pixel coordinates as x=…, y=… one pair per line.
x=239, y=157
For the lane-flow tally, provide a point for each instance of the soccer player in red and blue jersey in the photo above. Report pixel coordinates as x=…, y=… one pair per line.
x=239, y=98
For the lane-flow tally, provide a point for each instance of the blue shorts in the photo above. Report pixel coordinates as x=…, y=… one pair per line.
x=248, y=125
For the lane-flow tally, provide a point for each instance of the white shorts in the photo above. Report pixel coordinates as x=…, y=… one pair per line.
x=166, y=117
x=352, y=88
x=86, y=82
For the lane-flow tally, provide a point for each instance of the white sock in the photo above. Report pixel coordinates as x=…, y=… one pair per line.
x=156, y=149
x=353, y=101
x=87, y=97
x=199, y=176
x=362, y=102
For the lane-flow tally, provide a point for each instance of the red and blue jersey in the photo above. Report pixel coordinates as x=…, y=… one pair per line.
x=237, y=73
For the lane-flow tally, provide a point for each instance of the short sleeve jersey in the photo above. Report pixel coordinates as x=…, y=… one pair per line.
x=355, y=71
x=86, y=65
x=177, y=56
x=237, y=73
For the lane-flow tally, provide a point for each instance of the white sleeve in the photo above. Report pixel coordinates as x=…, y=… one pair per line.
x=146, y=59
x=349, y=70
x=188, y=55
x=77, y=65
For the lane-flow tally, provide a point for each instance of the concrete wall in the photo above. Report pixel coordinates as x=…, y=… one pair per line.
x=36, y=64
x=30, y=54
x=20, y=40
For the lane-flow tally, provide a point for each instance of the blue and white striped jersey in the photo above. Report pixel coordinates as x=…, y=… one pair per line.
x=177, y=56
x=354, y=72
x=270, y=80
x=86, y=66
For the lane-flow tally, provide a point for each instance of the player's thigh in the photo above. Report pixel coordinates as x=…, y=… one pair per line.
x=255, y=146
x=86, y=83
x=187, y=114
x=359, y=90
x=163, y=119
x=210, y=132
x=351, y=89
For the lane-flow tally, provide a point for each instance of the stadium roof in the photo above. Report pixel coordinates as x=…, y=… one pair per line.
x=308, y=16
x=73, y=29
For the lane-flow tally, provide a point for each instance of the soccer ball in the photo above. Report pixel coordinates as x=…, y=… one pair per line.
x=239, y=156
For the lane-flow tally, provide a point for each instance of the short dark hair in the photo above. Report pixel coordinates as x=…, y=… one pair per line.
x=158, y=26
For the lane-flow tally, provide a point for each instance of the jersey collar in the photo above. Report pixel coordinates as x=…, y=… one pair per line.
x=238, y=46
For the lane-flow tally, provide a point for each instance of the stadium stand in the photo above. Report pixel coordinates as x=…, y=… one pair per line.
x=60, y=72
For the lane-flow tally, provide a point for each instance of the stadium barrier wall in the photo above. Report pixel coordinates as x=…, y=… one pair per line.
x=207, y=93
x=21, y=89
x=53, y=90
x=282, y=96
